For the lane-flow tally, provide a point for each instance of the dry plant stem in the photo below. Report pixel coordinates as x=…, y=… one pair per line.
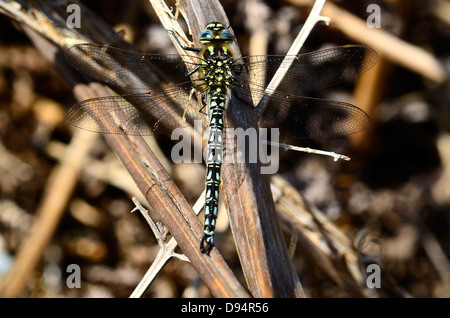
x=257, y=16
x=441, y=188
x=368, y=93
x=254, y=223
x=166, y=251
x=165, y=198
x=145, y=169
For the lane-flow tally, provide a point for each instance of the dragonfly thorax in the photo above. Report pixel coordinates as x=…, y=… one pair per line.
x=218, y=72
x=217, y=58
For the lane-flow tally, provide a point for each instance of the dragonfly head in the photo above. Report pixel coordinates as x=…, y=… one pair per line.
x=215, y=32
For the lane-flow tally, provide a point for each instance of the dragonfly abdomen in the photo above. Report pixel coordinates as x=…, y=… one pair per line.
x=217, y=72
x=216, y=103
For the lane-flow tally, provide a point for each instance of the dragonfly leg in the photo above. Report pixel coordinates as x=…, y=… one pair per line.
x=192, y=71
x=187, y=48
x=203, y=104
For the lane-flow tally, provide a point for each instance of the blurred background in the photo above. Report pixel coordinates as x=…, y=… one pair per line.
x=395, y=191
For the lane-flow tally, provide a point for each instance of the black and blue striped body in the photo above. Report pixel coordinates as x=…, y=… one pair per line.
x=216, y=104
x=218, y=76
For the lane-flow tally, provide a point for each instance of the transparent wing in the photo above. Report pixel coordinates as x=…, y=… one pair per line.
x=127, y=69
x=160, y=111
x=309, y=71
x=138, y=114
x=304, y=117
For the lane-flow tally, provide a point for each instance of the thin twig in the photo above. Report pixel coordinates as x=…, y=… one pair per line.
x=165, y=253
x=335, y=156
x=167, y=249
x=313, y=18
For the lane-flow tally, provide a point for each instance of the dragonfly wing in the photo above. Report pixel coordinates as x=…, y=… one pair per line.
x=310, y=71
x=127, y=69
x=303, y=117
x=137, y=114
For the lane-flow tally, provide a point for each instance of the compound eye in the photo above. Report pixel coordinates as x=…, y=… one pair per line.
x=226, y=35
x=206, y=35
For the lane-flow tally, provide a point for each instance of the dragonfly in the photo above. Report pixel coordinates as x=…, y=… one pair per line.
x=218, y=78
